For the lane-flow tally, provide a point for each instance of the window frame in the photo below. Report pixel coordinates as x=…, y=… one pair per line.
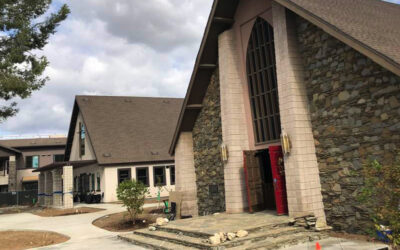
x=164, y=180
x=98, y=181
x=124, y=169
x=147, y=175
x=262, y=83
x=170, y=174
x=31, y=161
x=55, y=155
x=82, y=139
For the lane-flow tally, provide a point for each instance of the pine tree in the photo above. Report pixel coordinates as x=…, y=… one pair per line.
x=25, y=26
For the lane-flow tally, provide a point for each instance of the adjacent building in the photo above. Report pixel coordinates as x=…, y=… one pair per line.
x=19, y=157
x=324, y=74
x=111, y=139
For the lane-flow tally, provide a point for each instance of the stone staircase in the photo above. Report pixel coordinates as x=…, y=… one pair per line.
x=264, y=237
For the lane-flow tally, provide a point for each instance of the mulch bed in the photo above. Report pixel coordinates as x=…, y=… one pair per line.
x=17, y=210
x=120, y=222
x=17, y=240
x=52, y=212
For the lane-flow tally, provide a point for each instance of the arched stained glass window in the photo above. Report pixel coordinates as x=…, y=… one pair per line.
x=263, y=90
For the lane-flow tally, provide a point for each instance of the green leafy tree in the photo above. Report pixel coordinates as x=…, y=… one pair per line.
x=381, y=195
x=132, y=193
x=24, y=27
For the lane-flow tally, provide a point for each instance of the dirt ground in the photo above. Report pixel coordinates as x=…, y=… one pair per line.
x=51, y=212
x=16, y=210
x=17, y=240
x=120, y=222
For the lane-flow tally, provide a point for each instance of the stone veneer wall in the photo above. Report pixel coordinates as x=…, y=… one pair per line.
x=355, y=115
x=207, y=136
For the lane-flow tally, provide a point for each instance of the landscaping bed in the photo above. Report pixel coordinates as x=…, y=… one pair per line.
x=51, y=212
x=16, y=240
x=120, y=222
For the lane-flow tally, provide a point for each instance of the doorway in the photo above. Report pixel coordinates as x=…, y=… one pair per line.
x=266, y=179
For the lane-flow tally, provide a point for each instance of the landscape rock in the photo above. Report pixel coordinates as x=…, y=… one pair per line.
x=160, y=221
x=231, y=236
x=215, y=240
x=151, y=228
x=241, y=233
x=222, y=236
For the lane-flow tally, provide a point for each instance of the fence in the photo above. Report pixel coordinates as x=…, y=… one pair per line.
x=20, y=198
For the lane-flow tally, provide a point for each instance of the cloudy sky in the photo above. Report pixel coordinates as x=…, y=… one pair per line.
x=118, y=47
x=114, y=47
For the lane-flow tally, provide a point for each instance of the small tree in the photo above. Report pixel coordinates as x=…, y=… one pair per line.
x=132, y=193
x=381, y=194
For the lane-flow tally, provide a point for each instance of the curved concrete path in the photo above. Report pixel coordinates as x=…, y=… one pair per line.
x=78, y=227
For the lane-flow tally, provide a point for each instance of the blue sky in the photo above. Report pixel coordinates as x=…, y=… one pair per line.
x=119, y=47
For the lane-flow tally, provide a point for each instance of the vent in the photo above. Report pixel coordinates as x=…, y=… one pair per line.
x=166, y=101
x=154, y=153
x=107, y=155
x=128, y=100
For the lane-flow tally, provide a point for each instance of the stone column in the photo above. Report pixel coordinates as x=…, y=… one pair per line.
x=41, y=191
x=12, y=174
x=185, y=176
x=301, y=167
x=48, y=189
x=68, y=186
x=57, y=188
x=233, y=118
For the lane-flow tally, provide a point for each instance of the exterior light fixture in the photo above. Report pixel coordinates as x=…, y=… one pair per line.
x=285, y=143
x=224, y=153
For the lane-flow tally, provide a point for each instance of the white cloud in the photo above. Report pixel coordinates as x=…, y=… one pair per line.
x=120, y=47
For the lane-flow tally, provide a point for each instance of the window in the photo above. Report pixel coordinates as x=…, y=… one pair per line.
x=98, y=182
x=159, y=176
x=261, y=75
x=82, y=137
x=32, y=161
x=93, y=182
x=124, y=174
x=142, y=175
x=172, y=174
x=58, y=158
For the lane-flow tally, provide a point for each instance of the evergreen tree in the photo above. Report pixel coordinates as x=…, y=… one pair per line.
x=25, y=26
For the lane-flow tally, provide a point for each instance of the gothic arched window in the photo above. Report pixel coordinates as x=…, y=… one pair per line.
x=263, y=90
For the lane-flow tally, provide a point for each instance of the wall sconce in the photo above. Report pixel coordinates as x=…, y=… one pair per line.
x=285, y=143
x=224, y=153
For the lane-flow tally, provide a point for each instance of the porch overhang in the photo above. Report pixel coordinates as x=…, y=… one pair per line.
x=74, y=164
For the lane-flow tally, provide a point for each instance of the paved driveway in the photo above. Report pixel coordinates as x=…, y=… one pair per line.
x=78, y=227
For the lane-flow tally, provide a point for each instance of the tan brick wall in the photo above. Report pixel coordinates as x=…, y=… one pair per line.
x=68, y=186
x=302, y=174
x=48, y=200
x=57, y=188
x=233, y=117
x=185, y=177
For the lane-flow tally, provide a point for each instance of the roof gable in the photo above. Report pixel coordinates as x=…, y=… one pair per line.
x=127, y=129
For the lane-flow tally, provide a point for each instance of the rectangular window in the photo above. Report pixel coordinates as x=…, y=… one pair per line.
x=82, y=137
x=58, y=158
x=142, y=175
x=32, y=161
x=159, y=176
x=124, y=174
x=98, y=182
x=172, y=174
x=93, y=182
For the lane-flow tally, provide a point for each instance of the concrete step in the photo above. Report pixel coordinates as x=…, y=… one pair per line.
x=176, y=238
x=272, y=243
x=151, y=243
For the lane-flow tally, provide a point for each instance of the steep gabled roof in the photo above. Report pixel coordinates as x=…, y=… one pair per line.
x=369, y=26
x=127, y=129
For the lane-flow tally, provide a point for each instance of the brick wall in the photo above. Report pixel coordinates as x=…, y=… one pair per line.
x=355, y=115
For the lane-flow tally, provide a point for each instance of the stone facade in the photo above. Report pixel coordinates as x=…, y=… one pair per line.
x=12, y=174
x=207, y=137
x=355, y=115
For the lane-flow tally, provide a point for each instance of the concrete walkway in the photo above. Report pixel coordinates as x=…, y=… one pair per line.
x=339, y=244
x=78, y=227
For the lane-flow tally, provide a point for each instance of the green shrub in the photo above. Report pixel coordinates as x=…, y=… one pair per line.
x=132, y=194
x=381, y=195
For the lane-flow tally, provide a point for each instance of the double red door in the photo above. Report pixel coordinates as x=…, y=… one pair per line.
x=278, y=175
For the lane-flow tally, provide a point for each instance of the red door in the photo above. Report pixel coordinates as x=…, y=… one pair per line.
x=278, y=175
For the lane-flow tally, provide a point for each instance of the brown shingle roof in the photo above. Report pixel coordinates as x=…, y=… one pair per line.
x=35, y=142
x=129, y=129
x=372, y=24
